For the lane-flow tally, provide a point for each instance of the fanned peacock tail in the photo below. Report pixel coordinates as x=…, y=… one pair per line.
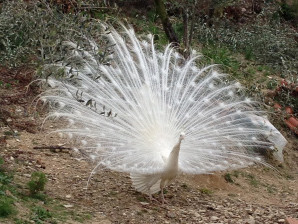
x=128, y=115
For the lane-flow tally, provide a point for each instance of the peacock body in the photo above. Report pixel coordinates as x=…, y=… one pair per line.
x=148, y=99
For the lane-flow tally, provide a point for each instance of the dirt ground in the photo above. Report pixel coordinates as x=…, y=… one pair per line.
x=256, y=195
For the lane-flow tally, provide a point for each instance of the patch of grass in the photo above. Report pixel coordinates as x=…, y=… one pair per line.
x=251, y=71
x=8, y=133
x=40, y=196
x=271, y=84
x=5, y=180
x=148, y=25
x=271, y=189
x=184, y=185
x=37, y=183
x=228, y=178
x=81, y=217
x=160, y=38
x=262, y=80
x=6, y=201
x=252, y=180
x=178, y=28
x=220, y=55
x=40, y=214
x=99, y=15
x=21, y=221
x=7, y=86
x=248, y=53
x=260, y=68
x=268, y=42
x=289, y=177
x=205, y=191
x=141, y=198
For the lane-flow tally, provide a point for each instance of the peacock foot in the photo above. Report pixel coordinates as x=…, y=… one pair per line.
x=153, y=199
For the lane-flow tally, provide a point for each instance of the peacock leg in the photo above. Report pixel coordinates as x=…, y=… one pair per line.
x=163, y=200
x=162, y=185
x=150, y=196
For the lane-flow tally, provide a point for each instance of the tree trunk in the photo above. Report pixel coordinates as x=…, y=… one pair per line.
x=167, y=26
x=192, y=24
x=185, y=17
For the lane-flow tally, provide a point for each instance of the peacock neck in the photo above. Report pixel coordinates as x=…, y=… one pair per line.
x=176, y=148
x=174, y=156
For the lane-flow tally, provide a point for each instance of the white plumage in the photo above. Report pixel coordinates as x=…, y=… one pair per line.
x=149, y=99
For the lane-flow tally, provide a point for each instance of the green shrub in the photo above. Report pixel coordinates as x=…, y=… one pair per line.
x=269, y=42
x=30, y=31
x=5, y=179
x=289, y=12
x=6, y=206
x=37, y=183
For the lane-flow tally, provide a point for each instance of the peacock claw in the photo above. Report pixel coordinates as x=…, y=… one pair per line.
x=153, y=199
x=163, y=200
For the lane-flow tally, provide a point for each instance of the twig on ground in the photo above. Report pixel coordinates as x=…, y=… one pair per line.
x=53, y=148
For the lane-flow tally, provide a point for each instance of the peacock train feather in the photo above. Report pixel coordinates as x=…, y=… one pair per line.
x=129, y=113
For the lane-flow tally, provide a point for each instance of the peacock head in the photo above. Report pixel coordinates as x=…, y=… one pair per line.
x=182, y=135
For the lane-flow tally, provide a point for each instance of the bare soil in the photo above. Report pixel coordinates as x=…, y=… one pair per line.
x=257, y=195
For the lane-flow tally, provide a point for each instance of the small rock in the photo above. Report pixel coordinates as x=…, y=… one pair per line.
x=144, y=203
x=68, y=206
x=196, y=214
x=249, y=211
x=171, y=214
x=68, y=196
x=281, y=221
x=214, y=218
x=251, y=220
x=105, y=221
